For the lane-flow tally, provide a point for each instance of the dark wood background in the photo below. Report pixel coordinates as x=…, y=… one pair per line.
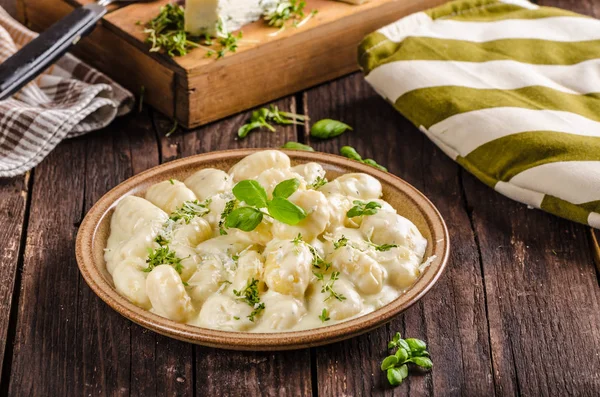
x=516, y=313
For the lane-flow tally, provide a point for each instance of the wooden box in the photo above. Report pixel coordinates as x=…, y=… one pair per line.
x=195, y=89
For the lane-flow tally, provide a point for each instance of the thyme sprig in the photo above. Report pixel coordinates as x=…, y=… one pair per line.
x=250, y=295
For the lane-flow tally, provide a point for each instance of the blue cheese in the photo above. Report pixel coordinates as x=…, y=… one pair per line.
x=220, y=17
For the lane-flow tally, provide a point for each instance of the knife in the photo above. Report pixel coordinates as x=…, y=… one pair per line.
x=44, y=50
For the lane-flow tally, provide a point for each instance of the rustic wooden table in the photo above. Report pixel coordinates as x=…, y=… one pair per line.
x=516, y=313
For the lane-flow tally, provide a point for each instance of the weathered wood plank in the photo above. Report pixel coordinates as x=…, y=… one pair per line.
x=452, y=317
x=542, y=296
x=13, y=198
x=220, y=372
x=71, y=340
x=591, y=8
x=43, y=357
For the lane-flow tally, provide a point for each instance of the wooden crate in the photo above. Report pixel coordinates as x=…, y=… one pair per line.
x=195, y=89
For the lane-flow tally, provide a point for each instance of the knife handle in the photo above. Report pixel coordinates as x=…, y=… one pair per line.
x=35, y=57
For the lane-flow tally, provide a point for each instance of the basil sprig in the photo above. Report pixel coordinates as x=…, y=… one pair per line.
x=255, y=196
x=410, y=350
x=361, y=208
x=351, y=153
x=328, y=128
x=297, y=146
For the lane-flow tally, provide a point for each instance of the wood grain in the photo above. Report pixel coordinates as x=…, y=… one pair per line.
x=451, y=318
x=230, y=373
x=90, y=349
x=47, y=316
x=542, y=295
x=13, y=199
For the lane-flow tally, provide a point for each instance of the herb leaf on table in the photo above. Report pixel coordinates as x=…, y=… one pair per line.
x=328, y=128
x=351, y=153
x=409, y=350
x=264, y=116
x=297, y=146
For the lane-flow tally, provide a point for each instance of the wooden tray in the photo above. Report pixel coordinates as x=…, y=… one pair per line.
x=195, y=89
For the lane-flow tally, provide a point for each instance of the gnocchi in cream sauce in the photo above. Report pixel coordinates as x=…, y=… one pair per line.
x=266, y=246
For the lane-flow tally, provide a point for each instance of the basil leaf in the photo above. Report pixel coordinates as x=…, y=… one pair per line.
x=285, y=211
x=402, y=355
x=403, y=370
x=286, y=188
x=297, y=146
x=251, y=192
x=350, y=152
x=328, y=128
x=244, y=218
x=416, y=345
x=389, y=362
x=394, y=376
x=423, y=362
x=361, y=208
x=373, y=163
x=402, y=343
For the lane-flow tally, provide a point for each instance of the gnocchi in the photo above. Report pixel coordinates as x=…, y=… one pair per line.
x=177, y=253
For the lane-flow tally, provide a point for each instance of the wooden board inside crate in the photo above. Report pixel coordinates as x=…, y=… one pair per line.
x=196, y=89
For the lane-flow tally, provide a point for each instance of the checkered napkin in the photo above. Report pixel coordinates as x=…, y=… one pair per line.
x=68, y=100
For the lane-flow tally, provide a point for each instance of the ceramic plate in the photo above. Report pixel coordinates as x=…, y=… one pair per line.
x=408, y=201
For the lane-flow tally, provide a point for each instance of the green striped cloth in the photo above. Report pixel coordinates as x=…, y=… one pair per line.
x=508, y=89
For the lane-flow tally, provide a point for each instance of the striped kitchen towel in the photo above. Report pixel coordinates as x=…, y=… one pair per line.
x=68, y=100
x=509, y=90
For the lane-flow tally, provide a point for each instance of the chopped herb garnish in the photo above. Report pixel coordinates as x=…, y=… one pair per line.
x=163, y=256
x=257, y=310
x=166, y=31
x=324, y=315
x=318, y=262
x=298, y=239
x=250, y=295
x=342, y=242
x=236, y=317
x=384, y=247
x=161, y=240
x=172, y=181
x=189, y=210
x=228, y=43
x=285, y=11
x=229, y=207
x=361, y=208
x=320, y=181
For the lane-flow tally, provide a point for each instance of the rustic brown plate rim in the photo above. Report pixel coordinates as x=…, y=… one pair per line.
x=259, y=341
